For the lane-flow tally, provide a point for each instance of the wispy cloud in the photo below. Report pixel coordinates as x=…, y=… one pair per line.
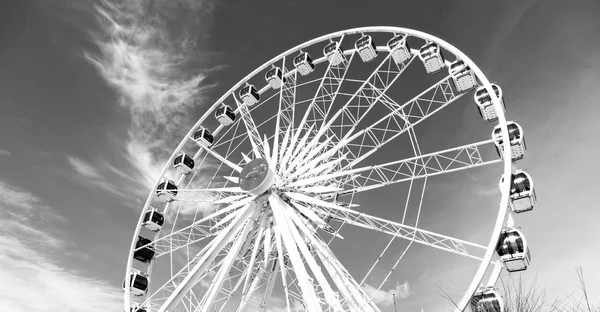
x=4, y=152
x=24, y=206
x=17, y=198
x=32, y=280
x=148, y=64
x=104, y=176
x=386, y=297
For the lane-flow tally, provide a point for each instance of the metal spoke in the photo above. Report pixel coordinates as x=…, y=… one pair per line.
x=222, y=159
x=251, y=130
x=370, y=177
x=193, y=233
x=364, y=98
x=404, y=117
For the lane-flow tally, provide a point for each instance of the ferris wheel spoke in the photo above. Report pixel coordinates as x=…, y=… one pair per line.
x=225, y=268
x=195, y=232
x=364, y=97
x=330, y=297
x=256, y=247
x=163, y=292
x=261, y=279
x=392, y=125
x=403, y=117
x=424, y=237
x=308, y=292
x=222, y=159
x=270, y=285
x=307, y=153
x=251, y=129
x=325, y=95
x=282, y=264
x=351, y=291
x=211, y=195
x=294, y=148
x=287, y=100
x=230, y=284
x=371, y=92
x=222, y=239
x=283, y=150
x=428, y=165
x=431, y=164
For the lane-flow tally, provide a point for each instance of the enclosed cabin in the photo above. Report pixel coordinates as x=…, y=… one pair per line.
x=144, y=250
x=399, y=49
x=487, y=300
x=184, y=163
x=249, y=95
x=484, y=102
x=138, y=283
x=225, y=115
x=432, y=58
x=462, y=76
x=517, y=141
x=366, y=48
x=303, y=63
x=153, y=220
x=334, y=54
x=513, y=250
x=203, y=137
x=275, y=78
x=522, y=194
x=166, y=191
x=135, y=307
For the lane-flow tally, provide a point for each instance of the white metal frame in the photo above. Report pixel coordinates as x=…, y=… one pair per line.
x=239, y=227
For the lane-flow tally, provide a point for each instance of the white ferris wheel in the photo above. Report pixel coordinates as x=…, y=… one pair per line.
x=270, y=201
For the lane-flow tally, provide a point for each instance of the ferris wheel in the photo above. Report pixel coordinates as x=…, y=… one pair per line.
x=312, y=185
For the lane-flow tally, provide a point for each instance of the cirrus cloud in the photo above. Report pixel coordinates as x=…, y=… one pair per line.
x=32, y=278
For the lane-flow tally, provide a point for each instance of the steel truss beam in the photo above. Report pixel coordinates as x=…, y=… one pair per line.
x=370, y=177
x=424, y=237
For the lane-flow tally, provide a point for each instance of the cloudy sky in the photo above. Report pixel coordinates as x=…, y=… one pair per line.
x=96, y=94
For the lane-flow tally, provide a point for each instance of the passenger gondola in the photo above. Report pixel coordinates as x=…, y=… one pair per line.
x=249, y=95
x=184, y=163
x=153, y=220
x=517, y=141
x=513, y=250
x=366, y=48
x=462, y=76
x=487, y=300
x=334, y=54
x=144, y=250
x=432, y=58
x=522, y=193
x=138, y=283
x=484, y=102
x=399, y=49
x=135, y=307
x=203, y=137
x=275, y=78
x=225, y=115
x=166, y=191
x=303, y=62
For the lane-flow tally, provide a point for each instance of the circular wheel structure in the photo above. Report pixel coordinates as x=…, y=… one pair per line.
x=346, y=171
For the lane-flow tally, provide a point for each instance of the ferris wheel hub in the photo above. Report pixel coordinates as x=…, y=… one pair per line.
x=257, y=177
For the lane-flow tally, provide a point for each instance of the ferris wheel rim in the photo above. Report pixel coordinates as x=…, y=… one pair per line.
x=505, y=185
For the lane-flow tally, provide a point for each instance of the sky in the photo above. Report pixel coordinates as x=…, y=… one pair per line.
x=95, y=95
